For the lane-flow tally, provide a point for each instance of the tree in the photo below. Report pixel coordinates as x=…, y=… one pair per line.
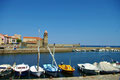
x=19, y=40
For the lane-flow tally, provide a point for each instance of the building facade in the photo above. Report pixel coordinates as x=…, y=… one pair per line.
x=2, y=39
x=5, y=39
x=34, y=41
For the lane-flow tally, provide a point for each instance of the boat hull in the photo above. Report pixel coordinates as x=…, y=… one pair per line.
x=24, y=73
x=33, y=71
x=6, y=72
x=55, y=73
x=109, y=72
x=38, y=74
x=108, y=68
x=88, y=71
x=66, y=68
x=50, y=69
x=21, y=70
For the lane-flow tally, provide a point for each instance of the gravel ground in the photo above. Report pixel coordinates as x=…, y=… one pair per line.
x=98, y=77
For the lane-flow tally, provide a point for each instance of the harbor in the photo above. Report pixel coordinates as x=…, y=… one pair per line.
x=34, y=58
x=54, y=60
x=59, y=40
x=72, y=58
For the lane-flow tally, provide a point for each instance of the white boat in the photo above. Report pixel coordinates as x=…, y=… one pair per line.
x=51, y=69
x=106, y=67
x=88, y=68
x=5, y=69
x=116, y=64
x=21, y=69
x=36, y=69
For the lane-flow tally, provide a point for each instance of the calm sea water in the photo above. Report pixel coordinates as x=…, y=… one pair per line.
x=72, y=58
x=112, y=46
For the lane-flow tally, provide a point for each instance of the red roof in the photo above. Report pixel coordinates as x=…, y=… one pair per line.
x=37, y=38
x=32, y=42
x=9, y=36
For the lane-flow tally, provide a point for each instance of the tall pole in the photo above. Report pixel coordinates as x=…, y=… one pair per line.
x=53, y=52
x=38, y=57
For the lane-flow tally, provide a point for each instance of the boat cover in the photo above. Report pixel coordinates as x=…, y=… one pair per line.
x=106, y=66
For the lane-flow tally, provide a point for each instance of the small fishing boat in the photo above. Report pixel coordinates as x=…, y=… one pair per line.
x=107, y=68
x=66, y=68
x=21, y=69
x=5, y=69
x=36, y=69
x=88, y=68
x=51, y=69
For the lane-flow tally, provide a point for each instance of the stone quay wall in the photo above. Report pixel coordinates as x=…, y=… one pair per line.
x=45, y=50
x=33, y=50
x=64, y=45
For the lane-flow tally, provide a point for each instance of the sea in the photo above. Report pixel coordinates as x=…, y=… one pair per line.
x=72, y=58
x=112, y=46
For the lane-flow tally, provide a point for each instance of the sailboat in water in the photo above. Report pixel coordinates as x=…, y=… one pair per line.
x=51, y=69
x=36, y=69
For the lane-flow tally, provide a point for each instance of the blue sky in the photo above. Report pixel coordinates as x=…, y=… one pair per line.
x=88, y=22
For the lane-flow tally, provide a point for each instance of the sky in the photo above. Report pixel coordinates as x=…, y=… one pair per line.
x=88, y=22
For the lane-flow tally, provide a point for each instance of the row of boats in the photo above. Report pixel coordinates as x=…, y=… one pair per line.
x=24, y=69
x=102, y=67
x=96, y=50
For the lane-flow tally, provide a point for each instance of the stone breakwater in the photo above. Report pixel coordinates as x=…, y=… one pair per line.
x=45, y=50
x=33, y=50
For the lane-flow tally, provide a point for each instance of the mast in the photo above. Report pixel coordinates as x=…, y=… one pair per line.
x=52, y=54
x=38, y=57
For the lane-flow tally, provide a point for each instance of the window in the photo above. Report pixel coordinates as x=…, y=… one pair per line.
x=13, y=40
